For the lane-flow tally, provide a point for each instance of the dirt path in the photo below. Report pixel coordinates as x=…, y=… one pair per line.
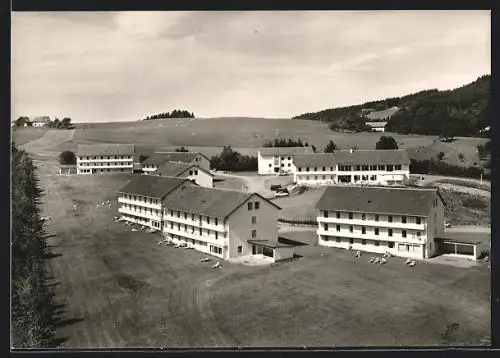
x=428, y=179
x=253, y=184
x=50, y=139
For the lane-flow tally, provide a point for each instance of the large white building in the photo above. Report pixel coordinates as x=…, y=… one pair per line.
x=405, y=222
x=377, y=126
x=224, y=223
x=183, y=170
x=382, y=167
x=141, y=200
x=274, y=160
x=105, y=158
x=153, y=162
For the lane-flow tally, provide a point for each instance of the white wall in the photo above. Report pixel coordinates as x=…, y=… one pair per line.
x=202, y=178
x=240, y=225
x=202, y=162
x=283, y=253
x=265, y=164
x=435, y=227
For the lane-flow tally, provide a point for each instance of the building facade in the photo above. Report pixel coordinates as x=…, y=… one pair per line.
x=377, y=126
x=153, y=162
x=220, y=222
x=369, y=167
x=40, y=121
x=141, y=200
x=274, y=160
x=183, y=170
x=105, y=158
x=405, y=222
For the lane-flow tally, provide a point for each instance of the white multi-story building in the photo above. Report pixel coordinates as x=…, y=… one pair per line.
x=141, y=200
x=380, y=167
x=105, y=158
x=224, y=223
x=377, y=126
x=274, y=160
x=183, y=170
x=153, y=162
x=405, y=222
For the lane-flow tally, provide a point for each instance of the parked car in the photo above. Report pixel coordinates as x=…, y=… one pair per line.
x=447, y=225
x=275, y=187
x=280, y=194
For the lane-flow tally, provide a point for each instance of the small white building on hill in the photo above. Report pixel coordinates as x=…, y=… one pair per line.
x=379, y=167
x=273, y=160
x=405, y=222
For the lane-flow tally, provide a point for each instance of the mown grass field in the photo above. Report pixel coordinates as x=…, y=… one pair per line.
x=118, y=288
x=246, y=135
x=24, y=135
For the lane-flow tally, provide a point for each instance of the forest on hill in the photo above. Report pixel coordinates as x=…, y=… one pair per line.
x=174, y=114
x=463, y=111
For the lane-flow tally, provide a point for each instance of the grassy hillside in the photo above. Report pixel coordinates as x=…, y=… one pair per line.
x=459, y=112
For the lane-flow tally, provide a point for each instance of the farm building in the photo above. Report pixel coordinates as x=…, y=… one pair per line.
x=141, y=200
x=105, y=158
x=184, y=170
x=274, y=160
x=67, y=169
x=377, y=126
x=405, y=222
x=224, y=223
x=40, y=121
x=159, y=158
x=379, y=167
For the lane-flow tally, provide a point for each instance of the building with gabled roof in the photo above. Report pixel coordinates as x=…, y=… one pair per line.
x=105, y=158
x=224, y=223
x=401, y=221
x=275, y=160
x=184, y=170
x=158, y=158
x=40, y=121
x=370, y=167
x=141, y=199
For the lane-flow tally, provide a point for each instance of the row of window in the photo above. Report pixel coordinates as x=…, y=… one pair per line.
x=195, y=172
x=208, y=219
x=252, y=205
x=376, y=217
x=141, y=199
x=194, y=230
x=390, y=244
x=376, y=231
x=105, y=164
x=348, y=168
x=282, y=165
x=109, y=170
x=141, y=209
x=100, y=157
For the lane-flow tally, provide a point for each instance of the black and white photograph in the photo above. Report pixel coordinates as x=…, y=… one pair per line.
x=250, y=179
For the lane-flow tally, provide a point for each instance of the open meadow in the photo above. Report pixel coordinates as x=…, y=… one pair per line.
x=246, y=135
x=118, y=288
x=24, y=135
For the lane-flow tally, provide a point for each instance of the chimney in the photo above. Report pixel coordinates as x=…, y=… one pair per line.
x=351, y=150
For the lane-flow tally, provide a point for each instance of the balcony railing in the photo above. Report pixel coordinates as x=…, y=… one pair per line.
x=139, y=214
x=221, y=241
x=372, y=236
x=139, y=203
x=197, y=223
x=372, y=223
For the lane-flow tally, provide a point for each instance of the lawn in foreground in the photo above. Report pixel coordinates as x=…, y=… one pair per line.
x=120, y=289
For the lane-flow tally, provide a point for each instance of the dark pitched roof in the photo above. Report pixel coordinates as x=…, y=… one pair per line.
x=153, y=186
x=160, y=158
x=217, y=203
x=371, y=156
x=105, y=149
x=173, y=169
x=386, y=200
x=314, y=160
x=43, y=119
x=267, y=151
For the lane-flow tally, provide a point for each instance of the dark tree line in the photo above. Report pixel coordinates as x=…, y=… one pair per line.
x=436, y=167
x=174, y=114
x=182, y=150
x=65, y=123
x=31, y=303
x=464, y=111
x=230, y=160
x=282, y=142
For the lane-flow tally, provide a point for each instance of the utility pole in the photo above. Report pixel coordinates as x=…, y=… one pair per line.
x=481, y=178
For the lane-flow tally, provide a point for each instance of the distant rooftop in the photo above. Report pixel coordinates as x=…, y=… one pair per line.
x=105, y=149
x=153, y=186
x=357, y=157
x=276, y=151
x=385, y=200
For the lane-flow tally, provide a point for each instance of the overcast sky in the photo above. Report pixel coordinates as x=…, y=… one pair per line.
x=104, y=66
